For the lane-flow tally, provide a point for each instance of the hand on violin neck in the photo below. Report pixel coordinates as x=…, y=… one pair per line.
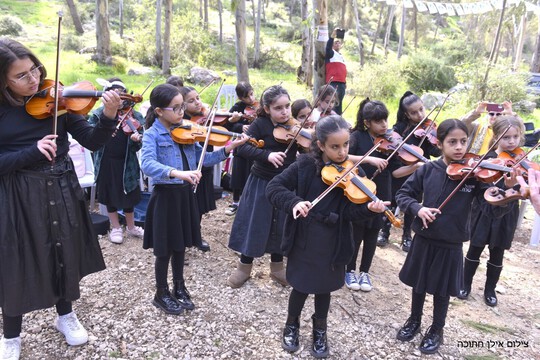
x=111, y=103
x=428, y=215
x=236, y=142
x=378, y=206
x=136, y=137
x=301, y=209
x=510, y=179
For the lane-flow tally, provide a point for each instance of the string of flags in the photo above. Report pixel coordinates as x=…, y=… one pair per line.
x=461, y=9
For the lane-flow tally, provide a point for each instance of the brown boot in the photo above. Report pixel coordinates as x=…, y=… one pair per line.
x=277, y=272
x=240, y=275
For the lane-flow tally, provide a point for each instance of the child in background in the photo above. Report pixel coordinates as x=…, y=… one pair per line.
x=327, y=99
x=318, y=243
x=117, y=171
x=172, y=219
x=434, y=263
x=497, y=233
x=239, y=124
x=300, y=110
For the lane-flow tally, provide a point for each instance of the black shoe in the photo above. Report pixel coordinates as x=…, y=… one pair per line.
x=319, y=349
x=407, y=331
x=182, y=296
x=382, y=239
x=204, y=247
x=464, y=294
x=406, y=241
x=291, y=333
x=166, y=302
x=490, y=298
x=431, y=341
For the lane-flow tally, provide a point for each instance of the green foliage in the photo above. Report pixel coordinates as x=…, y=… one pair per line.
x=377, y=81
x=487, y=328
x=72, y=42
x=424, y=72
x=10, y=25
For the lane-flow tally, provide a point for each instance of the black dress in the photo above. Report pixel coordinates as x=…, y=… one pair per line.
x=240, y=165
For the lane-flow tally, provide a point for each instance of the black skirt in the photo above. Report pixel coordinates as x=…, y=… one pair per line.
x=205, y=191
x=110, y=185
x=47, y=242
x=433, y=267
x=241, y=168
x=172, y=220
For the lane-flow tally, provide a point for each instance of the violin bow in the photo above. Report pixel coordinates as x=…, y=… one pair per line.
x=207, y=86
x=339, y=179
x=349, y=104
x=470, y=172
x=435, y=118
x=308, y=116
x=327, y=106
x=208, y=132
x=56, y=80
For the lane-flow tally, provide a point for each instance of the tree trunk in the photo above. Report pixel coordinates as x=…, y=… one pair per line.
x=343, y=10
x=494, y=50
x=257, y=37
x=205, y=26
x=75, y=16
x=121, y=15
x=376, y=34
x=358, y=31
x=391, y=12
x=241, y=46
x=159, y=49
x=103, y=36
x=305, y=74
x=415, y=21
x=201, y=16
x=535, y=63
x=166, y=67
x=220, y=12
x=320, y=39
x=401, y=32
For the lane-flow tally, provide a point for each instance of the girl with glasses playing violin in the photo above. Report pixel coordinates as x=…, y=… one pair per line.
x=117, y=169
x=47, y=239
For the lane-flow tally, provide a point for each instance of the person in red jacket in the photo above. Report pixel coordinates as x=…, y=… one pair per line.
x=335, y=66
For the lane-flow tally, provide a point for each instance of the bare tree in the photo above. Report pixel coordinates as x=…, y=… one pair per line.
x=75, y=16
x=103, y=36
x=166, y=66
x=257, y=37
x=494, y=50
x=402, y=31
x=391, y=12
x=304, y=72
x=121, y=16
x=241, y=45
x=220, y=13
x=321, y=24
x=376, y=34
x=358, y=31
x=205, y=26
x=159, y=51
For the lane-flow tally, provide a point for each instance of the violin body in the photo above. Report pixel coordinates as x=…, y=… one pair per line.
x=284, y=133
x=428, y=129
x=190, y=133
x=489, y=170
x=408, y=154
x=519, y=161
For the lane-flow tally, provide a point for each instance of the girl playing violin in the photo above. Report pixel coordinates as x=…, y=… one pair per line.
x=239, y=124
x=52, y=245
x=319, y=243
x=258, y=226
x=117, y=169
x=371, y=122
x=410, y=112
x=434, y=263
x=205, y=191
x=327, y=100
x=496, y=233
x=172, y=218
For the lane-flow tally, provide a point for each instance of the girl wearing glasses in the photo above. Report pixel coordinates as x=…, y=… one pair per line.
x=47, y=241
x=172, y=218
x=480, y=129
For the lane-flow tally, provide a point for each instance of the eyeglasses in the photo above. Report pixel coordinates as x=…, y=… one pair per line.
x=494, y=114
x=177, y=109
x=34, y=72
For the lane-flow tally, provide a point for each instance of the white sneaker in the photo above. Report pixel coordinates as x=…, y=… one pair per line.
x=10, y=349
x=116, y=235
x=365, y=282
x=351, y=282
x=72, y=329
x=136, y=231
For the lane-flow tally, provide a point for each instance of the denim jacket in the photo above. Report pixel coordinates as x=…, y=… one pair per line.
x=161, y=155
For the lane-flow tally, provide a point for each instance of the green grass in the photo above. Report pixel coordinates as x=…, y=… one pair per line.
x=487, y=328
x=481, y=357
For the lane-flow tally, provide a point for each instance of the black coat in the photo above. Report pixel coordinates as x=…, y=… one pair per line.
x=318, y=246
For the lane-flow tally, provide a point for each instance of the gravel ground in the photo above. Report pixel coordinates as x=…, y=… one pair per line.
x=246, y=323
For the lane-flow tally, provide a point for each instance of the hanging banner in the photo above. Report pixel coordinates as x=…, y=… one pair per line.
x=420, y=6
x=497, y=4
x=432, y=8
x=440, y=8
x=408, y=4
x=485, y=6
x=391, y=2
x=450, y=10
x=459, y=9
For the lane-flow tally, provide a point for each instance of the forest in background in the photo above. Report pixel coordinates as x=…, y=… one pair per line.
x=388, y=48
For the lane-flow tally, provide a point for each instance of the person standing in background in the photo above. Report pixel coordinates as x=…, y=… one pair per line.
x=335, y=66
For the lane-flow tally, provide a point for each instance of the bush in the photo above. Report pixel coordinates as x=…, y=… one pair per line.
x=423, y=72
x=10, y=25
x=378, y=81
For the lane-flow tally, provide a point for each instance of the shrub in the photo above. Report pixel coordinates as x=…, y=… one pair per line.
x=10, y=25
x=378, y=81
x=423, y=72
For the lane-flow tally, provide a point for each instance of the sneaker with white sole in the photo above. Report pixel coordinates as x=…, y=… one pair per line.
x=231, y=210
x=365, y=282
x=351, y=282
x=136, y=231
x=72, y=329
x=116, y=235
x=10, y=349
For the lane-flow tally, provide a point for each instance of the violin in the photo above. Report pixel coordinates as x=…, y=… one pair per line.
x=190, y=132
x=250, y=112
x=488, y=171
x=497, y=196
x=220, y=118
x=408, y=154
x=518, y=159
x=427, y=130
x=284, y=133
x=128, y=123
x=78, y=98
x=358, y=190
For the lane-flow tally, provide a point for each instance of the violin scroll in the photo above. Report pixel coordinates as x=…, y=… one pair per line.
x=497, y=196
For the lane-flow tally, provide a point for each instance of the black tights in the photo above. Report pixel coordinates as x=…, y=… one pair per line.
x=162, y=268
x=496, y=254
x=12, y=325
x=236, y=195
x=249, y=260
x=440, y=308
x=298, y=299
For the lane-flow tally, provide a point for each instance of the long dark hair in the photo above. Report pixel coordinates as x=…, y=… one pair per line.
x=448, y=125
x=160, y=97
x=268, y=97
x=299, y=105
x=370, y=110
x=324, y=92
x=324, y=128
x=175, y=80
x=243, y=88
x=11, y=51
x=406, y=100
